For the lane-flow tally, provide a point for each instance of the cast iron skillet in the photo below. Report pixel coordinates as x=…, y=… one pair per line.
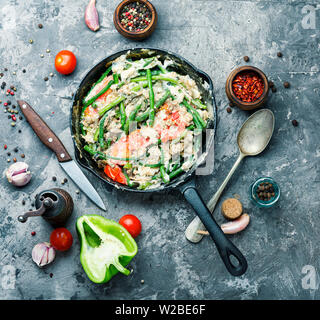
x=184, y=183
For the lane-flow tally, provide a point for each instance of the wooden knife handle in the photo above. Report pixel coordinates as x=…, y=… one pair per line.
x=44, y=133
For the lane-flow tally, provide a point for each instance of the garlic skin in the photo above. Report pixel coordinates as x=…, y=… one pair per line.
x=91, y=16
x=18, y=174
x=43, y=254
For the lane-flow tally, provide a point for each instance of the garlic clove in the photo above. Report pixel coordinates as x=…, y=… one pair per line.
x=18, y=174
x=91, y=16
x=43, y=254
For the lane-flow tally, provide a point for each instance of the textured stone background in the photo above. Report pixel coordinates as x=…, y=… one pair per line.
x=214, y=35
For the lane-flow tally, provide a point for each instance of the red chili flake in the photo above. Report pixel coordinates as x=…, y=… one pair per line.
x=14, y=118
x=248, y=86
x=12, y=93
x=5, y=104
x=33, y=233
x=5, y=147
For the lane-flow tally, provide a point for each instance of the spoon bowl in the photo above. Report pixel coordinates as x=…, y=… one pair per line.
x=256, y=132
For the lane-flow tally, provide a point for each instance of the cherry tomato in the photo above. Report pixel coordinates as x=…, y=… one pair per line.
x=65, y=62
x=115, y=173
x=132, y=224
x=61, y=239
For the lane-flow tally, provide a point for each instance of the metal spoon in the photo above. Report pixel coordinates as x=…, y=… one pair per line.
x=252, y=139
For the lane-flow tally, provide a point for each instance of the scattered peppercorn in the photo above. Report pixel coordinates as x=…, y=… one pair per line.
x=14, y=159
x=274, y=89
x=65, y=180
x=33, y=233
x=246, y=58
x=229, y=110
x=9, y=154
x=15, y=149
x=22, y=155
x=24, y=70
x=295, y=123
x=286, y=84
x=51, y=275
x=271, y=84
x=46, y=79
x=19, y=131
x=23, y=202
x=40, y=26
x=279, y=54
x=5, y=69
x=54, y=178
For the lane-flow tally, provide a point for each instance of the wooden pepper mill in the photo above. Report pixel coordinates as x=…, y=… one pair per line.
x=54, y=205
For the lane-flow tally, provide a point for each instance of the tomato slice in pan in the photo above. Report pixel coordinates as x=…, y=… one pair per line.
x=115, y=173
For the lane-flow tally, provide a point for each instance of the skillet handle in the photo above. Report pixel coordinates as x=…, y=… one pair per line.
x=225, y=247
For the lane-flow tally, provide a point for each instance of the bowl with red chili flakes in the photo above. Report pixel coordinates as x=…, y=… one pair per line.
x=247, y=87
x=135, y=19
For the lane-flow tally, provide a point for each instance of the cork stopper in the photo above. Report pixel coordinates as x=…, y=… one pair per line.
x=231, y=208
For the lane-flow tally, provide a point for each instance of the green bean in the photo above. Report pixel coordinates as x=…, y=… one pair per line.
x=131, y=118
x=96, y=135
x=155, y=165
x=151, y=98
x=164, y=176
x=115, y=78
x=129, y=183
x=175, y=173
x=137, y=88
x=147, y=62
x=145, y=185
x=143, y=116
x=162, y=69
x=106, y=156
x=104, y=75
x=202, y=122
x=109, y=141
x=121, y=84
x=162, y=78
x=93, y=99
x=153, y=72
x=111, y=105
x=191, y=127
x=101, y=131
x=198, y=121
x=123, y=114
x=199, y=104
x=163, y=99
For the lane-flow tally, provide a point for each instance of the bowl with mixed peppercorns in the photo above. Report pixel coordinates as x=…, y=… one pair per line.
x=247, y=87
x=265, y=192
x=135, y=19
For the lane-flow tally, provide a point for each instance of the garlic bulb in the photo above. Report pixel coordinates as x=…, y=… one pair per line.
x=18, y=174
x=91, y=16
x=43, y=254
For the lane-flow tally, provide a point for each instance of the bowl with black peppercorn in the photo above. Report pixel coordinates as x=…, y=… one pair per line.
x=265, y=192
x=247, y=87
x=135, y=19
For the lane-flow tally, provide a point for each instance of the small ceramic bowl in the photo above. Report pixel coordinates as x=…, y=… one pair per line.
x=254, y=194
x=141, y=35
x=247, y=105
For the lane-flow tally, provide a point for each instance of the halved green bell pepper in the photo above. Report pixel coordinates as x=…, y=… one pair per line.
x=106, y=247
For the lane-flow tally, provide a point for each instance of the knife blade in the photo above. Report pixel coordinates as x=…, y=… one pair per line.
x=48, y=138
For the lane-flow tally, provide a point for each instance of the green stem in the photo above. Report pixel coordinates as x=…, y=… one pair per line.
x=151, y=98
x=111, y=105
x=199, y=104
x=94, y=98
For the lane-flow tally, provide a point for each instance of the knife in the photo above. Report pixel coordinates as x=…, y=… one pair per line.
x=48, y=138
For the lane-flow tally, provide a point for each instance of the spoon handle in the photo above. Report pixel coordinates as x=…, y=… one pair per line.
x=191, y=232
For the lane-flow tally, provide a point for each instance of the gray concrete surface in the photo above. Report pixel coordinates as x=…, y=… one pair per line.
x=213, y=35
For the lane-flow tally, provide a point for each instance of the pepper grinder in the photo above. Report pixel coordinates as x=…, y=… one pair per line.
x=54, y=205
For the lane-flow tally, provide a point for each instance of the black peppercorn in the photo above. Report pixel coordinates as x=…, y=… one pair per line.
x=246, y=58
x=229, y=110
x=286, y=84
x=271, y=84
x=274, y=89
x=295, y=123
x=279, y=54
